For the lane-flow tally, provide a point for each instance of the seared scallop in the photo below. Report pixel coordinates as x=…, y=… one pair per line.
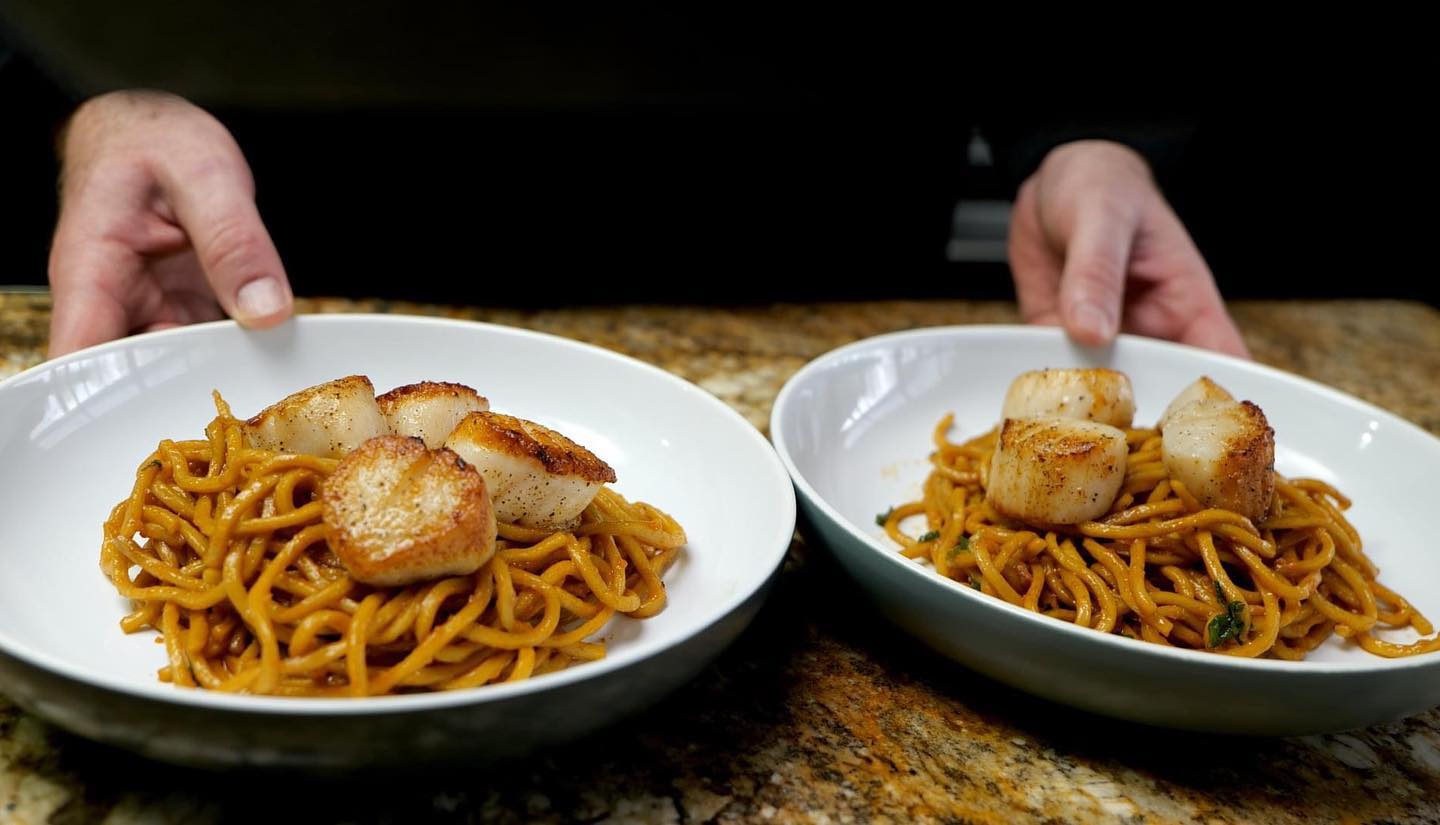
x=1224, y=453
x=396, y=512
x=429, y=410
x=1202, y=390
x=329, y=419
x=536, y=476
x=1054, y=471
x=1098, y=395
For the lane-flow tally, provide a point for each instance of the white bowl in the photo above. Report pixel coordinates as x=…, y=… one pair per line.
x=854, y=426
x=73, y=430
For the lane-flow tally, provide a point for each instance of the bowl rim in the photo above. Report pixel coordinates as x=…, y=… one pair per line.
x=925, y=576
x=769, y=467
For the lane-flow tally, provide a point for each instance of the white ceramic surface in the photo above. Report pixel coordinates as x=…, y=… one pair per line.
x=72, y=432
x=854, y=429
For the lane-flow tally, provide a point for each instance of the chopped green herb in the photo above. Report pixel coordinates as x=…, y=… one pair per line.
x=881, y=518
x=975, y=582
x=1229, y=625
x=930, y=536
x=961, y=546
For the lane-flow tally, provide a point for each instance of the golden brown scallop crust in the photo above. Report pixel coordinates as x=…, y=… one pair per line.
x=429, y=409
x=1111, y=392
x=1100, y=394
x=299, y=401
x=1053, y=453
x=396, y=513
x=313, y=408
x=427, y=390
x=1247, y=469
x=517, y=437
x=1201, y=390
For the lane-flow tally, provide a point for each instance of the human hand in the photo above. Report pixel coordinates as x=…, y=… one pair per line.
x=1095, y=248
x=157, y=224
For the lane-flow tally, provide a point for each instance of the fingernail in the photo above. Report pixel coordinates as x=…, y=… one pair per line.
x=260, y=298
x=1093, y=325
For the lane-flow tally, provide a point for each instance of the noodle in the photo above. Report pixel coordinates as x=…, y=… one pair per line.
x=1160, y=566
x=221, y=548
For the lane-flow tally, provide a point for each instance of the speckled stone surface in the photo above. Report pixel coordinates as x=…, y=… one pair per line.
x=821, y=712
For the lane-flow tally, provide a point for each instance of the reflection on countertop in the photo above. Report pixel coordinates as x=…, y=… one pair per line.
x=822, y=712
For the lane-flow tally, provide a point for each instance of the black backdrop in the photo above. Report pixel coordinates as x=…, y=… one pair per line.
x=478, y=156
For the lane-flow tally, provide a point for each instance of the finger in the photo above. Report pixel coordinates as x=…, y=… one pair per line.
x=1092, y=283
x=1034, y=266
x=213, y=202
x=188, y=296
x=87, y=308
x=1212, y=328
x=1176, y=296
x=83, y=317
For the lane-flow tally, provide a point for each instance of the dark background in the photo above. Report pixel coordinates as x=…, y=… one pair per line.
x=469, y=153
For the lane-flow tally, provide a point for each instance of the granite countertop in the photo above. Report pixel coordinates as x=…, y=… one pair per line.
x=821, y=714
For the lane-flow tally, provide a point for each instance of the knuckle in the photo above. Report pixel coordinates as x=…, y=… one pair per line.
x=218, y=170
x=231, y=246
x=1098, y=275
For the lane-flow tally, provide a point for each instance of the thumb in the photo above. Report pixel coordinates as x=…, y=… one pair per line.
x=1092, y=283
x=216, y=209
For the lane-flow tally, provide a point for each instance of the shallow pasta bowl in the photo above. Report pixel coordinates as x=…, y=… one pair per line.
x=854, y=429
x=73, y=430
